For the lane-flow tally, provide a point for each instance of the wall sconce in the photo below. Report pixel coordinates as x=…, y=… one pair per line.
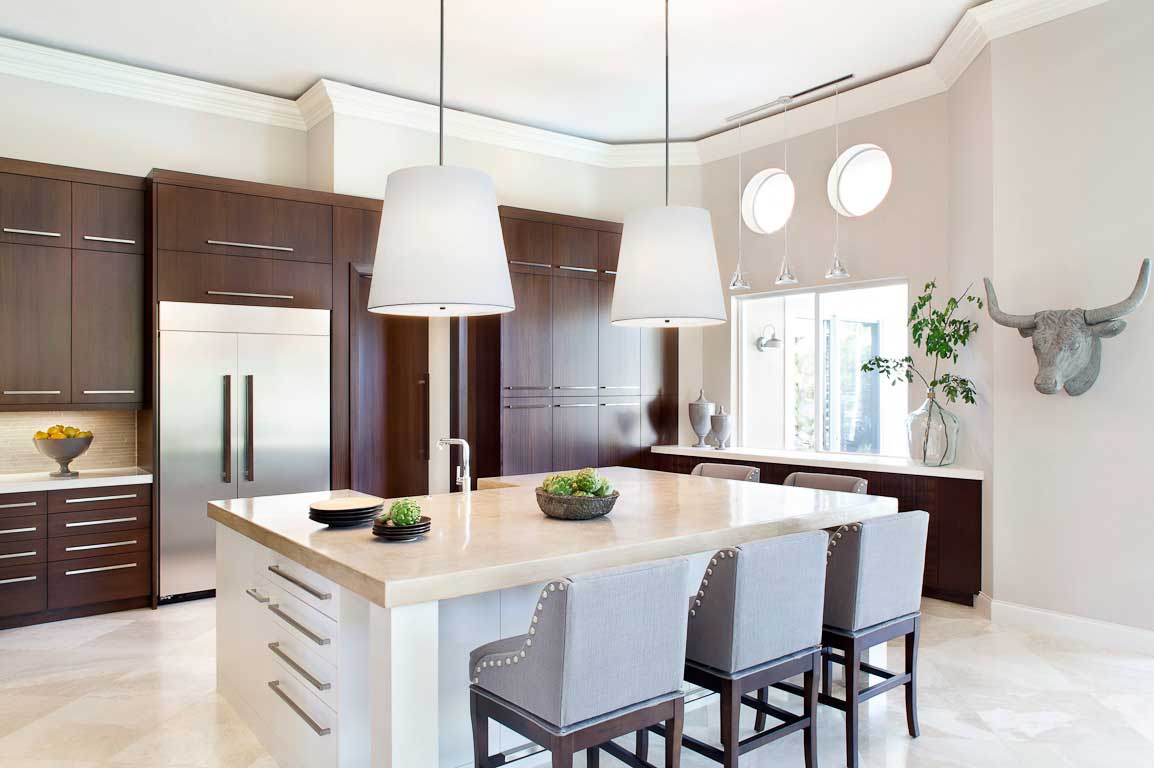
x=768, y=341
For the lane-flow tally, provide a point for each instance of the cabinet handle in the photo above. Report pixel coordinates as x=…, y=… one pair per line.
x=17, y=580
x=589, y=387
x=110, y=391
x=32, y=391
x=577, y=269
x=285, y=296
x=249, y=432
x=31, y=553
x=109, y=521
x=624, y=386
x=275, y=648
x=117, y=497
x=319, y=595
x=255, y=595
x=226, y=459
x=36, y=232
x=575, y=405
x=18, y=530
x=86, y=547
x=620, y=405
x=98, y=570
x=298, y=626
x=122, y=240
x=523, y=407
x=258, y=246
x=530, y=264
x=318, y=729
x=520, y=388
x=610, y=271
x=18, y=505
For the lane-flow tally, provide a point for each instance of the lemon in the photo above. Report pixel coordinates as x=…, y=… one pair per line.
x=41, y=436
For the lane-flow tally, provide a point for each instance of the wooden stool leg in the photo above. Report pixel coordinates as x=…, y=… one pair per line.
x=562, y=751
x=673, y=729
x=592, y=757
x=730, y=723
x=480, y=733
x=912, y=686
x=809, y=709
x=759, y=721
x=826, y=672
x=642, y=750
x=852, y=701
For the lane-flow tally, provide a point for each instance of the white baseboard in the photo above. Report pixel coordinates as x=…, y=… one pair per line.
x=1104, y=634
x=983, y=604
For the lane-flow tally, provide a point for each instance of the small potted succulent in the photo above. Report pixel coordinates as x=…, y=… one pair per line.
x=581, y=495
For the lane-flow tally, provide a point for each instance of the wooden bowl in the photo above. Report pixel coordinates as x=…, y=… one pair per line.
x=575, y=507
x=63, y=452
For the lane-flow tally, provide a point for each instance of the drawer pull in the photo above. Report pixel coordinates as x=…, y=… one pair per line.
x=577, y=269
x=117, y=497
x=17, y=580
x=109, y=521
x=38, y=233
x=571, y=387
x=18, y=505
x=575, y=405
x=623, y=386
x=530, y=264
x=298, y=626
x=275, y=648
x=610, y=271
x=620, y=405
x=32, y=391
x=255, y=595
x=318, y=729
x=122, y=240
x=86, y=547
x=110, y=391
x=18, y=554
x=242, y=294
x=81, y=571
x=526, y=387
x=523, y=407
x=275, y=569
x=18, y=530
x=258, y=246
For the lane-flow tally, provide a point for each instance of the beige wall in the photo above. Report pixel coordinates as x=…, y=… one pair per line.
x=113, y=445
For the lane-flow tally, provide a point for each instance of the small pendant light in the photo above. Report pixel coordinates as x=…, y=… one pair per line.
x=739, y=282
x=667, y=273
x=440, y=252
x=785, y=276
x=836, y=270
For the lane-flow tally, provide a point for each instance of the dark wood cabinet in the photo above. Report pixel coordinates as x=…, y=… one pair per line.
x=95, y=580
x=575, y=333
x=608, y=249
x=659, y=361
x=23, y=589
x=658, y=421
x=574, y=249
x=526, y=436
x=618, y=431
x=107, y=218
x=216, y=279
x=35, y=324
x=528, y=243
x=35, y=211
x=108, y=303
x=574, y=433
x=527, y=336
x=618, y=349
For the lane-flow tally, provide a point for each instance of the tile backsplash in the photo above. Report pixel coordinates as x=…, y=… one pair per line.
x=114, y=444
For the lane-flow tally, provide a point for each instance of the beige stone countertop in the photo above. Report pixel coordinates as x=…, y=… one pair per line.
x=861, y=462
x=497, y=538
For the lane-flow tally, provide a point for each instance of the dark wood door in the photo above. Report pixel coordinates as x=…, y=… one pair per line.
x=35, y=324
x=608, y=250
x=526, y=335
x=216, y=279
x=575, y=249
x=618, y=431
x=107, y=218
x=527, y=243
x=526, y=436
x=35, y=211
x=574, y=335
x=574, y=433
x=107, y=327
x=658, y=421
x=618, y=349
x=659, y=361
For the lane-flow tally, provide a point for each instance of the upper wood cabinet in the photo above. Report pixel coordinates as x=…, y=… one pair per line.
x=574, y=249
x=527, y=335
x=528, y=243
x=618, y=349
x=218, y=279
x=35, y=324
x=108, y=302
x=574, y=336
x=608, y=250
x=228, y=223
x=35, y=211
x=107, y=218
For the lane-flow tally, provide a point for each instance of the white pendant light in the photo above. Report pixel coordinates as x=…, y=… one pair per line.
x=667, y=272
x=440, y=252
x=837, y=270
x=739, y=282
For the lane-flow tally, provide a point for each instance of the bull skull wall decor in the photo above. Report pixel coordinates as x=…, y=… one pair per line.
x=1068, y=342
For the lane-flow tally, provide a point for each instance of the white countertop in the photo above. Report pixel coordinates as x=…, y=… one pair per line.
x=851, y=461
x=31, y=482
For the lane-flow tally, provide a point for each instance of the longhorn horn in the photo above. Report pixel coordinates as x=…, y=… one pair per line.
x=1123, y=308
x=1004, y=318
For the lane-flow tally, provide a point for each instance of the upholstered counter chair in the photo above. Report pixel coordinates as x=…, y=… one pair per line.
x=824, y=482
x=603, y=657
x=728, y=472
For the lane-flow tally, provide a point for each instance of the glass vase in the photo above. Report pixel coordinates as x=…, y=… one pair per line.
x=933, y=433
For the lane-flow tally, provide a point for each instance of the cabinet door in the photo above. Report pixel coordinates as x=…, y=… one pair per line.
x=608, y=249
x=574, y=433
x=35, y=211
x=574, y=335
x=575, y=249
x=658, y=421
x=215, y=279
x=618, y=431
x=35, y=324
x=526, y=335
x=526, y=436
x=107, y=327
x=527, y=243
x=618, y=349
x=659, y=361
x=107, y=218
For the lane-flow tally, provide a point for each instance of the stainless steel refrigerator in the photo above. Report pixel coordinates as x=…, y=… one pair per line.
x=243, y=411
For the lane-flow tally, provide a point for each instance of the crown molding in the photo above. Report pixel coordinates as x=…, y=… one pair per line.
x=977, y=28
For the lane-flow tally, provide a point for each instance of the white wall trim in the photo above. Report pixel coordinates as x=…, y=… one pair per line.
x=1103, y=634
x=976, y=29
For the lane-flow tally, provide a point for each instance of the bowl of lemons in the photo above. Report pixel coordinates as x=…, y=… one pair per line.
x=63, y=444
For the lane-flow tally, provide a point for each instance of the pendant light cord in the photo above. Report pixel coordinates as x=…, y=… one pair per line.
x=785, y=141
x=740, y=195
x=836, y=155
x=441, y=95
x=666, y=102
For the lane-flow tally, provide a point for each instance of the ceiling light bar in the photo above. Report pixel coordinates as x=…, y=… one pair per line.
x=782, y=101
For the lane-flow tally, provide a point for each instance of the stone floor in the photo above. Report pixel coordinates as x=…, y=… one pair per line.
x=137, y=689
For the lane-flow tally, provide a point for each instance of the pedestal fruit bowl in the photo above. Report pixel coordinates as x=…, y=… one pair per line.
x=581, y=495
x=63, y=445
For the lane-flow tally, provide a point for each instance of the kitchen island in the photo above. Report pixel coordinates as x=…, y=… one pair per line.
x=340, y=649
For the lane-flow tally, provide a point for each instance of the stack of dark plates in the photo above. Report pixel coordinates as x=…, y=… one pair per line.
x=347, y=511
x=391, y=532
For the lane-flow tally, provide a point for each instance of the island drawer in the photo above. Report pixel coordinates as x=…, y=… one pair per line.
x=315, y=673
x=113, y=497
x=23, y=589
x=23, y=528
x=308, y=626
x=22, y=504
x=305, y=728
x=97, y=579
x=98, y=544
x=305, y=585
x=21, y=552
x=98, y=520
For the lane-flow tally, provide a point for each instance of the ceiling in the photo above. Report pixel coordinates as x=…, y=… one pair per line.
x=591, y=69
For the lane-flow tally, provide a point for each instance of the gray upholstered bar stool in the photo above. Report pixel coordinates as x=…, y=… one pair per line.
x=757, y=621
x=603, y=657
x=728, y=472
x=825, y=482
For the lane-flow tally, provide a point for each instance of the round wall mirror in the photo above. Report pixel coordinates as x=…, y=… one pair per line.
x=860, y=180
x=767, y=202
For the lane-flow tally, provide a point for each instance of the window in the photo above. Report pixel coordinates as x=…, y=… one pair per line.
x=808, y=391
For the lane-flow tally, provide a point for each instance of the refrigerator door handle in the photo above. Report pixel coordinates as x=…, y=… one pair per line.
x=226, y=469
x=249, y=447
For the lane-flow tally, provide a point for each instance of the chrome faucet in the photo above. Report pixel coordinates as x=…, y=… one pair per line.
x=463, y=480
